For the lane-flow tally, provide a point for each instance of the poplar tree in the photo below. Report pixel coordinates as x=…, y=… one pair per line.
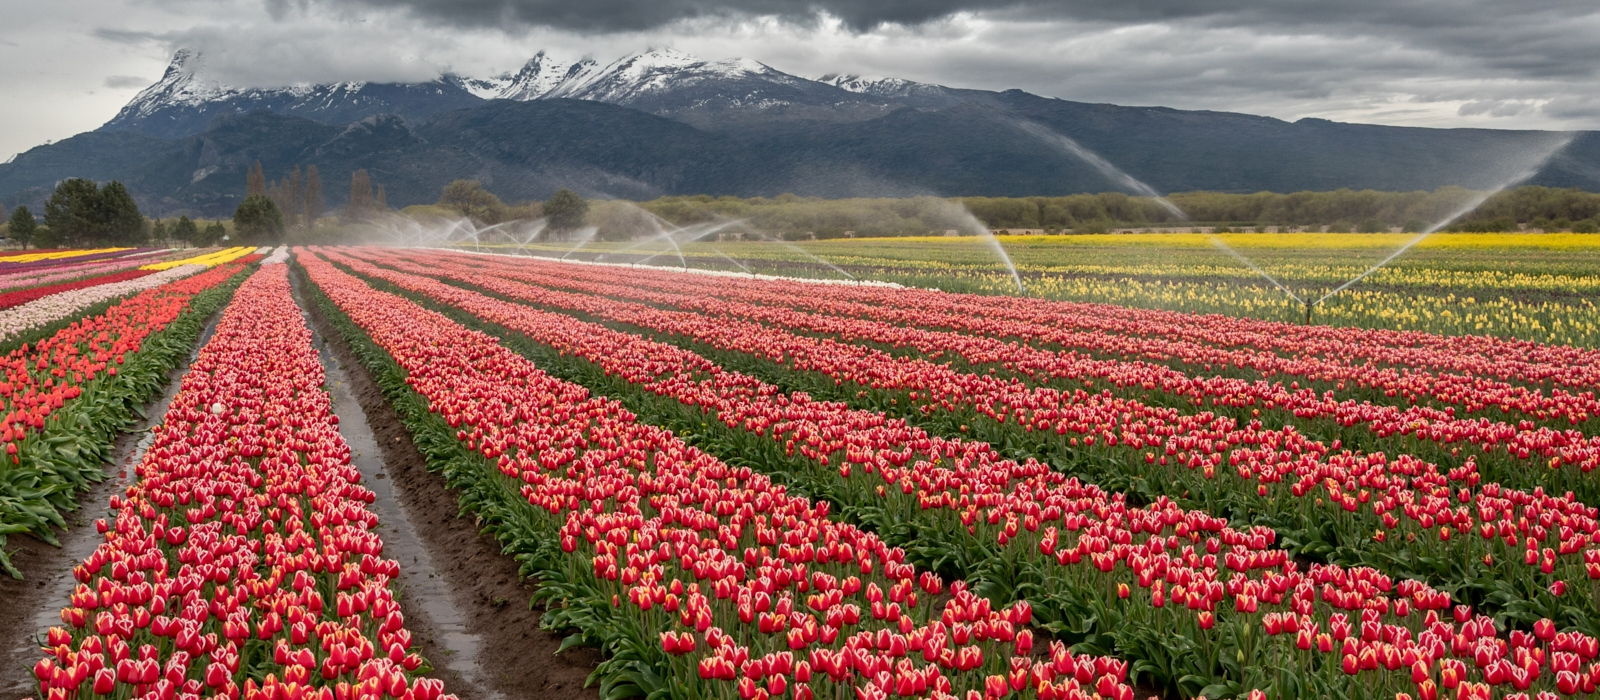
x=255, y=182
x=314, y=204
x=360, y=191
x=296, y=200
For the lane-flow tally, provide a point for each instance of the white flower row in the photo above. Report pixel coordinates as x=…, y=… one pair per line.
x=852, y=282
x=47, y=310
x=279, y=256
x=36, y=278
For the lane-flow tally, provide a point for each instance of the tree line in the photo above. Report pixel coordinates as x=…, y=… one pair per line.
x=795, y=218
x=1346, y=210
x=1545, y=208
x=82, y=213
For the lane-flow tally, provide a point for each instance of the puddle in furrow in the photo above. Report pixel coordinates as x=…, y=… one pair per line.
x=422, y=587
x=79, y=542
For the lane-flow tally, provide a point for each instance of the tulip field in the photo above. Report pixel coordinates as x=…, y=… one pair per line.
x=1529, y=286
x=72, y=380
x=748, y=488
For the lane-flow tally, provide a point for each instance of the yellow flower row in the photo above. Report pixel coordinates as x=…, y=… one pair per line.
x=56, y=255
x=1536, y=295
x=1348, y=241
x=1574, y=323
x=212, y=259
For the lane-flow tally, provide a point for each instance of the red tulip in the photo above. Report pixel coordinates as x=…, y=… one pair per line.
x=996, y=687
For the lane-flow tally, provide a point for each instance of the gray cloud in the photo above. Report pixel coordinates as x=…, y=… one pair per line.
x=1482, y=63
x=633, y=15
x=126, y=81
x=1464, y=51
x=124, y=36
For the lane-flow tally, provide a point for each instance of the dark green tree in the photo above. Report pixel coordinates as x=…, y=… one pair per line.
x=185, y=231
x=212, y=235
x=72, y=211
x=158, y=231
x=21, y=226
x=119, y=219
x=469, y=199
x=258, y=221
x=79, y=213
x=43, y=237
x=565, y=211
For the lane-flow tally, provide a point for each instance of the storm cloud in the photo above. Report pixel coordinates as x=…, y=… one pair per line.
x=1463, y=63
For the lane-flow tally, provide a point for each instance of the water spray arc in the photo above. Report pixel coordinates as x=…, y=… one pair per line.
x=1121, y=177
x=1111, y=172
x=1130, y=182
x=1221, y=245
x=1465, y=209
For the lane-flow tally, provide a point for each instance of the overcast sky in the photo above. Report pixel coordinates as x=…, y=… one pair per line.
x=66, y=66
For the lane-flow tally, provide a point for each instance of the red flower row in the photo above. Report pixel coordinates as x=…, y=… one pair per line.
x=1407, y=495
x=247, y=528
x=34, y=381
x=772, y=304
x=23, y=296
x=1026, y=507
x=782, y=600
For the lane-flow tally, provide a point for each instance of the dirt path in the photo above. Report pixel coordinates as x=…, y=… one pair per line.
x=462, y=598
x=33, y=605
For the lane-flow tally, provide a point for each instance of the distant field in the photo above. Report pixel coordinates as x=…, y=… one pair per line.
x=1532, y=286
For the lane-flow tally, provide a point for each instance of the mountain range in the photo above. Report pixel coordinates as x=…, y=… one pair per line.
x=664, y=122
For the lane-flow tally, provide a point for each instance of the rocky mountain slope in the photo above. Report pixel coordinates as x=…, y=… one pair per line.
x=664, y=122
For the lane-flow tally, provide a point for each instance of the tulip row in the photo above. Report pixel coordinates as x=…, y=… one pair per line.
x=23, y=296
x=727, y=585
x=243, y=563
x=22, y=260
x=209, y=259
x=18, y=321
x=66, y=397
x=1429, y=523
x=69, y=269
x=1476, y=355
x=1514, y=455
x=1371, y=383
x=1426, y=368
x=737, y=401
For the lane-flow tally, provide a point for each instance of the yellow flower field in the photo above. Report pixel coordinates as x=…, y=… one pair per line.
x=1533, y=286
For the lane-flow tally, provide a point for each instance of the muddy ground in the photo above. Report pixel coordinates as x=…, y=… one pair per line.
x=30, y=606
x=492, y=600
x=463, y=600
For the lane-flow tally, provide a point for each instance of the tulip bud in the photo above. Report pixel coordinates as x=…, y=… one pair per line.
x=105, y=681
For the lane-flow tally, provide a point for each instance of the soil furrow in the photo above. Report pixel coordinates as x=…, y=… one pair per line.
x=470, y=610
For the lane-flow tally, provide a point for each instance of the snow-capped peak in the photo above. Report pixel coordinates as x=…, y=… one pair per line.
x=540, y=75
x=874, y=85
x=658, y=70
x=537, y=78
x=184, y=62
x=642, y=64
x=656, y=80
x=183, y=83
